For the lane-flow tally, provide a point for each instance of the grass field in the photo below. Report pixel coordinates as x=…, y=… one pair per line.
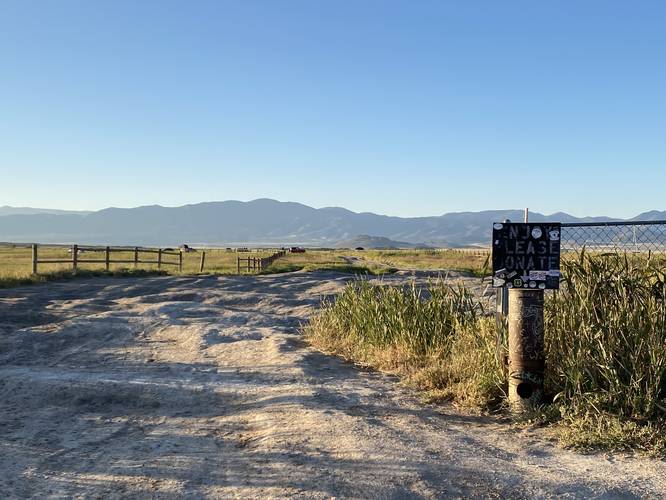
x=384, y=261
x=469, y=260
x=16, y=263
x=328, y=260
x=16, y=268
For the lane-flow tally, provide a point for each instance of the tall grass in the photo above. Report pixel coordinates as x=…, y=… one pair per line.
x=605, y=346
x=606, y=349
x=436, y=337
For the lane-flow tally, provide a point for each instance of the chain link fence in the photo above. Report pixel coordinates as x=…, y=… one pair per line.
x=636, y=237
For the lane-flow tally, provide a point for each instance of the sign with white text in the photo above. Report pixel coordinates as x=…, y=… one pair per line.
x=526, y=255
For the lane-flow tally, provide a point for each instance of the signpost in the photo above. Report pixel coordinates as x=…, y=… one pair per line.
x=526, y=261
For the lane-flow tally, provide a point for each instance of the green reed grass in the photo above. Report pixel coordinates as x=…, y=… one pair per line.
x=605, y=345
x=606, y=350
x=437, y=337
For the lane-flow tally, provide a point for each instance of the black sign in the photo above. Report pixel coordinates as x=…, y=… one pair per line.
x=526, y=255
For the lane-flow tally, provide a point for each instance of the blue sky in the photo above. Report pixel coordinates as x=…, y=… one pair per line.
x=405, y=108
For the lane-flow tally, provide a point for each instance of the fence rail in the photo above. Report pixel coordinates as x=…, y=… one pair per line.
x=76, y=250
x=252, y=264
x=469, y=252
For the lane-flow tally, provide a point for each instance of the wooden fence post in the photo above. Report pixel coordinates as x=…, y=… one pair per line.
x=180, y=262
x=107, y=257
x=159, y=258
x=34, y=258
x=75, y=258
x=238, y=265
x=136, y=257
x=248, y=264
x=203, y=260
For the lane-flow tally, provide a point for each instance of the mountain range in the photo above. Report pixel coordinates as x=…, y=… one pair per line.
x=259, y=222
x=7, y=210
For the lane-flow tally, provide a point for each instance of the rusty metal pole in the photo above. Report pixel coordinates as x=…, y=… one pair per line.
x=526, y=349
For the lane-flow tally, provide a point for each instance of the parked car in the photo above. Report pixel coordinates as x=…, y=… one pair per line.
x=297, y=250
x=359, y=248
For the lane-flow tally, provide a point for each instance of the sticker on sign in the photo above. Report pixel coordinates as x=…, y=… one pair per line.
x=538, y=275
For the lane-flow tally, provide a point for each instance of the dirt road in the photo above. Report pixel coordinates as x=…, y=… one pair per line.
x=201, y=387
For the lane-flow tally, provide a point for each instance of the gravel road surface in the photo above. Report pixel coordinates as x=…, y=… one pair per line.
x=202, y=387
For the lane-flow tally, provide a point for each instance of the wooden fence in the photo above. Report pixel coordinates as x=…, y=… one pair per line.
x=474, y=252
x=75, y=258
x=256, y=263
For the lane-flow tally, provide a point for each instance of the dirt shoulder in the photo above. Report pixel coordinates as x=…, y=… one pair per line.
x=202, y=387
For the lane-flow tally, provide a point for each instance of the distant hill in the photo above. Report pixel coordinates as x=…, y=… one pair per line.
x=376, y=242
x=258, y=222
x=7, y=210
x=652, y=215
